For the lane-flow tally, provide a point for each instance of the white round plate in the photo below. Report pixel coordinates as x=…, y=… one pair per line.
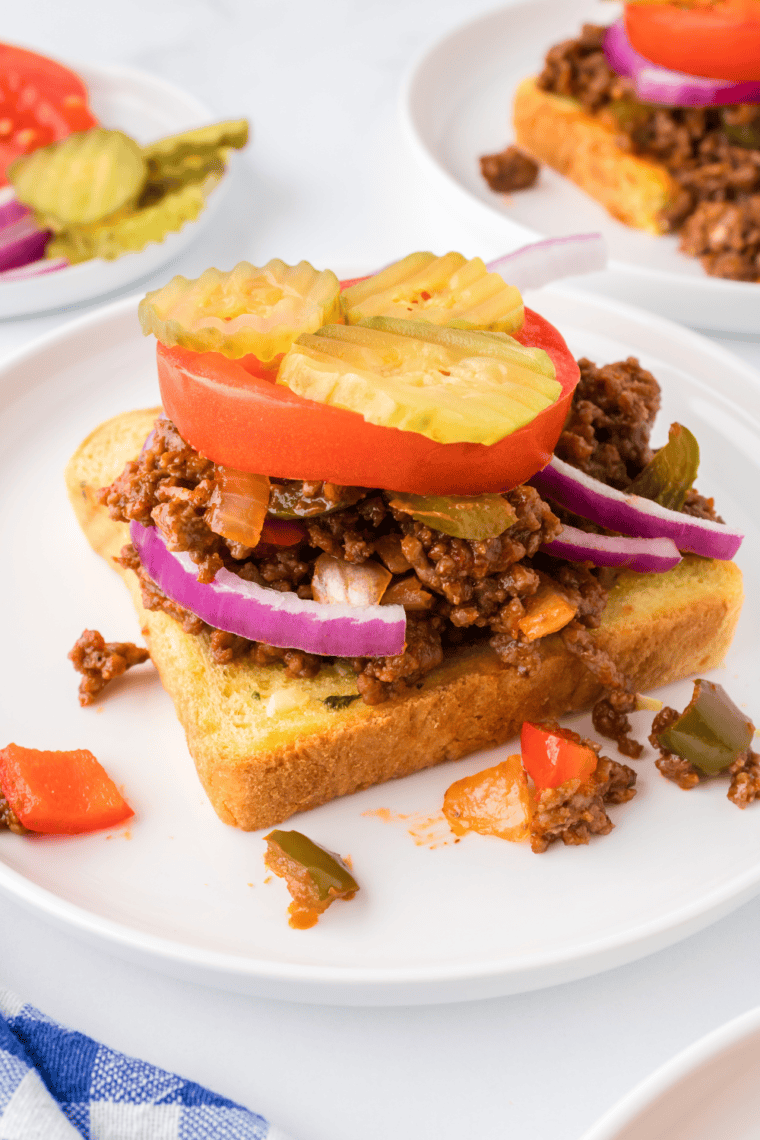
x=709, y=1091
x=435, y=920
x=456, y=106
x=147, y=108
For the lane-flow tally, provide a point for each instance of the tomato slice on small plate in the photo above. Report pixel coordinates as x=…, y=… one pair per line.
x=41, y=101
x=719, y=42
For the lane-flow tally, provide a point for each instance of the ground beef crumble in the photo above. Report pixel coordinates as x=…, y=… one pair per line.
x=100, y=661
x=510, y=170
x=744, y=772
x=469, y=590
x=711, y=153
x=575, y=810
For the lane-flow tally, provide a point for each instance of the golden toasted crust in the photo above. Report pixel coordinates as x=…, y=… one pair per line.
x=266, y=747
x=558, y=132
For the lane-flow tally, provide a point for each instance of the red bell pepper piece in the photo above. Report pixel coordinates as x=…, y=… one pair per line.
x=551, y=755
x=60, y=793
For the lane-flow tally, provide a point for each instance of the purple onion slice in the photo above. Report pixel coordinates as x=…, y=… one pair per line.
x=537, y=264
x=655, y=84
x=632, y=514
x=260, y=614
x=647, y=555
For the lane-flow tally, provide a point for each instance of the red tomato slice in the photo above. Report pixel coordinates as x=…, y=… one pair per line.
x=231, y=411
x=552, y=758
x=60, y=793
x=40, y=102
x=719, y=42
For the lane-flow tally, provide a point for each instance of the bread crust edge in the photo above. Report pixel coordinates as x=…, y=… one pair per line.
x=558, y=132
x=657, y=628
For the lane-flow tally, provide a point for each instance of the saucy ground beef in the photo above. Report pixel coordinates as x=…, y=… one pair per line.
x=575, y=810
x=712, y=153
x=100, y=661
x=509, y=170
x=461, y=590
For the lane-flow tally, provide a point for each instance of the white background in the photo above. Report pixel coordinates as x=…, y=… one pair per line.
x=327, y=177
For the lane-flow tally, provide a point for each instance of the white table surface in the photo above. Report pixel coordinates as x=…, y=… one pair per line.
x=327, y=178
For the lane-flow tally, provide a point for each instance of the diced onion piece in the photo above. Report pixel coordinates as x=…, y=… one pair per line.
x=336, y=581
x=632, y=514
x=260, y=614
x=546, y=611
x=647, y=555
x=238, y=505
x=248, y=310
x=409, y=594
x=537, y=264
x=655, y=84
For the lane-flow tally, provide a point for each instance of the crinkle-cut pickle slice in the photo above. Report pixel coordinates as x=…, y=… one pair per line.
x=443, y=290
x=451, y=385
x=188, y=157
x=81, y=179
x=129, y=232
x=201, y=140
x=248, y=310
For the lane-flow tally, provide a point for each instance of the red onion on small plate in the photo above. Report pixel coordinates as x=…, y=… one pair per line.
x=632, y=514
x=282, y=619
x=647, y=555
x=21, y=240
x=655, y=84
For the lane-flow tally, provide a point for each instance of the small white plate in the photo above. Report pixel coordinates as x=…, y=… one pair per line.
x=456, y=105
x=146, y=108
x=710, y=1091
x=435, y=920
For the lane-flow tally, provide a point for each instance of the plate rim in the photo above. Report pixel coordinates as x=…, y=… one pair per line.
x=387, y=985
x=646, y=1092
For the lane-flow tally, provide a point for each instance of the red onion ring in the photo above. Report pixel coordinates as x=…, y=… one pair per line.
x=647, y=555
x=632, y=514
x=280, y=619
x=537, y=264
x=21, y=239
x=671, y=88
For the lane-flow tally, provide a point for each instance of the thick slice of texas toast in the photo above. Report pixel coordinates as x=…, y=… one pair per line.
x=558, y=132
x=266, y=747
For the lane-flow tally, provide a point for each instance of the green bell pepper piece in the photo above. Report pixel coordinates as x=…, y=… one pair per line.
x=670, y=473
x=711, y=731
x=327, y=872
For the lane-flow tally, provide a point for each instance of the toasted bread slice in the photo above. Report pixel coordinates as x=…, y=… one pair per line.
x=266, y=746
x=558, y=132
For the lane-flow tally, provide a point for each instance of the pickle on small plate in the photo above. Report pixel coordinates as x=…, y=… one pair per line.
x=85, y=177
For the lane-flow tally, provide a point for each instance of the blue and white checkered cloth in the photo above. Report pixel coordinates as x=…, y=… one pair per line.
x=56, y=1084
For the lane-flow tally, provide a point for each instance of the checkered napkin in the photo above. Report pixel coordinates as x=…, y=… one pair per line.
x=56, y=1084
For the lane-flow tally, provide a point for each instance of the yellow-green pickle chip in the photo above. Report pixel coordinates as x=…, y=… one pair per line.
x=131, y=232
x=248, y=310
x=85, y=177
